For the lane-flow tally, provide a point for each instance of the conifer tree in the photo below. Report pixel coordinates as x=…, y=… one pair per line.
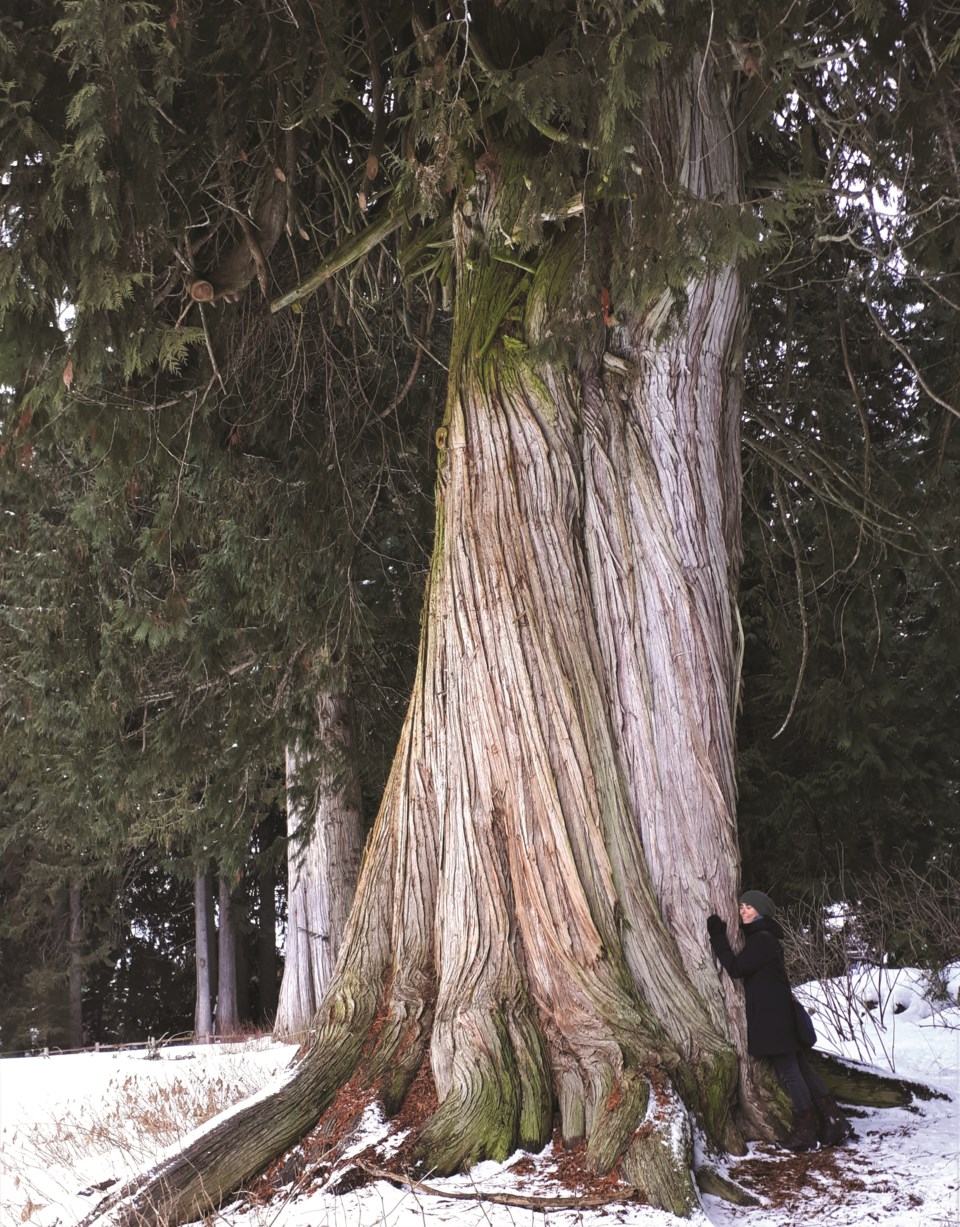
x=584, y=187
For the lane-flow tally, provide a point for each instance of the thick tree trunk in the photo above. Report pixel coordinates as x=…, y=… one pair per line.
x=75, y=968
x=228, y=1016
x=203, y=1009
x=560, y=816
x=322, y=867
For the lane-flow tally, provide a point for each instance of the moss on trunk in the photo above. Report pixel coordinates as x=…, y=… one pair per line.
x=867, y=1088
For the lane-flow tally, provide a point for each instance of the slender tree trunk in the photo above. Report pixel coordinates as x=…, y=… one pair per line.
x=238, y=910
x=267, y=943
x=560, y=815
x=203, y=1009
x=324, y=842
x=213, y=943
x=75, y=972
x=228, y=1016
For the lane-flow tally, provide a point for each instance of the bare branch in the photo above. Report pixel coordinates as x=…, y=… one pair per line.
x=502, y=1199
x=905, y=354
x=345, y=255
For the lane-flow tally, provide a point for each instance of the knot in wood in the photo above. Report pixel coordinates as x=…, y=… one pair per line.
x=201, y=291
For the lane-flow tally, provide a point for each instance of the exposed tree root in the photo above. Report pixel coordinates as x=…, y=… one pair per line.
x=500, y=1096
x=504, y=1199
x=636, y=1127
x=710, y=1181
x=866, y=1088
x=560, y=817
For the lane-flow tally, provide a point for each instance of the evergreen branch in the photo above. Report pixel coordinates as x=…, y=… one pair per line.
x=438, y=238
x=512, y=260
x=826, y=490
x=559, y=136
x=862, y=413
x=345, y=255
x=169, y=696
x=552, y=133
x=379, y=110
x=897, y=526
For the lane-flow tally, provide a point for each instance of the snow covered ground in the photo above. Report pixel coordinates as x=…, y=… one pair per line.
x=71, y=1123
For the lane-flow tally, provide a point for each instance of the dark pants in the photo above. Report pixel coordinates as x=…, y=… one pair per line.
x=799, y=1080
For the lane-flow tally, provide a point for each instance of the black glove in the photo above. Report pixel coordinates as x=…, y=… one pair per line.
x=715, y=925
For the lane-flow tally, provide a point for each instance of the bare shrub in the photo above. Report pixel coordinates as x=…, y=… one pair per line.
x=857, y=946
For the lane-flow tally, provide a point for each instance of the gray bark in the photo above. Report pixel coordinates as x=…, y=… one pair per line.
x=212, y=939
x=227, y=1016
x=322, y=866
x=203, y=1009
x=238, y=911
x=662, y=472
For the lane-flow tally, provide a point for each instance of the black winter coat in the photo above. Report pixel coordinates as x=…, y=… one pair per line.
x=770, y=1018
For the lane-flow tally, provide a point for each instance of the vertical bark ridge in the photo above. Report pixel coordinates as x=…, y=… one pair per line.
x=662, y=462
x=524, y=682
x=227, y=1013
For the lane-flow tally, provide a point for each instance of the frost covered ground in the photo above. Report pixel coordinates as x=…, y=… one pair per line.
x=71, y=1123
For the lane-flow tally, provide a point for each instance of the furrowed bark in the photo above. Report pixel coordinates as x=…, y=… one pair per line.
x=267, y=942
x=662, y=472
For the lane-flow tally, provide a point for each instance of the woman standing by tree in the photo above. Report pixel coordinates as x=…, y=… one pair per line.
x=771, y=1020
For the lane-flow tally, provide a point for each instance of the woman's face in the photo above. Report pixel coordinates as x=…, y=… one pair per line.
x=748, y=914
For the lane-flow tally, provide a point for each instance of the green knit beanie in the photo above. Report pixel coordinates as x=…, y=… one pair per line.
x=757, y=899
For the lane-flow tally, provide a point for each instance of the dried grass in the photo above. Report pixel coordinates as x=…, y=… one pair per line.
x=131, y=1124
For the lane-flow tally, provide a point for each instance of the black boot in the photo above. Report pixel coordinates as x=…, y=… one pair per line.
x=834, y=1126
x=803, y=1133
